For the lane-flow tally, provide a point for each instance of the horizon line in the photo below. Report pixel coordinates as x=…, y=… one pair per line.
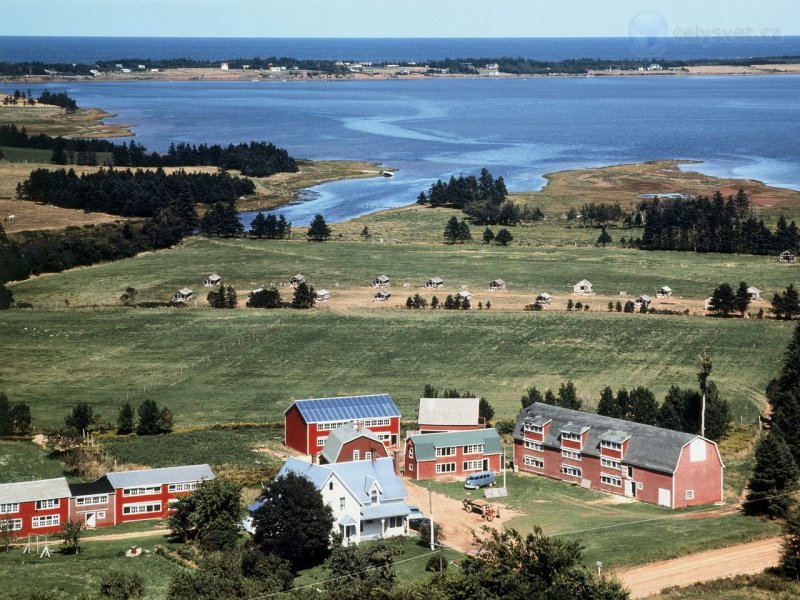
x=766, y=39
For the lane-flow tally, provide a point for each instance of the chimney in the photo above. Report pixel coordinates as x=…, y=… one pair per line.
x=359, y=426
x=315, y=458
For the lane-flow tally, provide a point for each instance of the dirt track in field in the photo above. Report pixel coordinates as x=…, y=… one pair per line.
x=458, y=524
x=743, y=559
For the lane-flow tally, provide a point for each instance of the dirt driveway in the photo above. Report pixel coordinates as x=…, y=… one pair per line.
x=743, y=559
x=458, y=524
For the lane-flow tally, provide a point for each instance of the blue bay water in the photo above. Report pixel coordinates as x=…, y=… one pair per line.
x=521, y=129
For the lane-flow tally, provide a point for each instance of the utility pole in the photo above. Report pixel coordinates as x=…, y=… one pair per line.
x=504, y=467
x=430, y=511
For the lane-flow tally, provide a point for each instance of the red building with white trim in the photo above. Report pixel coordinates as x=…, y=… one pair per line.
x=93, y=504
x=35, y=507
x=652, y=464
x=308, y=423
x=352, y=442
x=453, y=454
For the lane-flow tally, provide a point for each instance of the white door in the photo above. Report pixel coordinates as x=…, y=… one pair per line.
x=628, y=488
x=664, y=498
x=91, y=520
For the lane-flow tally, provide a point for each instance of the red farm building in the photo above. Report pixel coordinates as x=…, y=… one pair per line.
x=453, y=454
x=147, y=494
x=308, y=423
x=93, y=504
x=652, y=464
x=352, y=442
x=34, y=507
x=448, y=414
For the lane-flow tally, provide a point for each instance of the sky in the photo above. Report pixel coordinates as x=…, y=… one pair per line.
x=399, y=18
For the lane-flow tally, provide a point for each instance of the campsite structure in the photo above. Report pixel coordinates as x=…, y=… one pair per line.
x=434, y=283
x=182, y=295
x=381, y=281
x=583, y=287
x=664, y=292
x=787, y=256
x=212, y=280
x=497, y=285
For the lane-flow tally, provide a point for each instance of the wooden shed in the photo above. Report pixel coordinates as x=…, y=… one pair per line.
x=182, y=295
x=381, y=296
x=543, y=299
x=434, y=283
x=664, y=292
x=212, y=280
x=381, y=281
x=754, y=293
x=322, y=295
x=497, y=285
x=297, y=280
x=583, y=287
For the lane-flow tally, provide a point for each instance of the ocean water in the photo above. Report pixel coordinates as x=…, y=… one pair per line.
x=519, y=128
x=649, y=40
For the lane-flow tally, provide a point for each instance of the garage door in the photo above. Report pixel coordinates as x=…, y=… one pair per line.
x=664, y=497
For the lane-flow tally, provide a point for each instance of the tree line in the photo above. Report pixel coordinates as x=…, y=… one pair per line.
x=713, y=224
x=131, y=193
x=18, y=137
x=61, y=99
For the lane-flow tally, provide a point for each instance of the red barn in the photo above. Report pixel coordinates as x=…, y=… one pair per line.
x=452, y=454
x=34, y=507
x=308, y=423
x=652, y=464
x=352, y=442
x=93, y=503
x=448, y=414
x=147, y=494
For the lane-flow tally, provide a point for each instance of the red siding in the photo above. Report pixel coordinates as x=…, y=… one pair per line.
x=704, y=478
x=78, y=513
x=363, y=444
x=295, y=434
x=393, y=429
x=164, y=496
x=427, y=469
x=27, y=511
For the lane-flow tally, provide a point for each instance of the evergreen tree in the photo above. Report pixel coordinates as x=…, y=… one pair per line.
x=452, y=230
x=258, y=226
x=221, y=220
x=463, y=231
x=644, y=408
x=318, y=230
x=125, y=419
x=790, y=545
x=5, y=415
x=568, y=396
x=723, y=301
x=6, y=297
x=604, y=238
x=429, y=391
x=304, y=296
x=230, y=300
x=485, y=410
x=671, y=410
x=742, y=298
x=550, y=398
x=59, y=156
x=20, y=418
x=531, y=395
x=82, y=417
x=717, y=413
x=774, y=480
x=624, y=405
x=269, y=298
x=791, y=303
x=783, y=394
x=608, y=406
x=185, y=209
x=504, y=237
x=149, y=418
x=488, y=236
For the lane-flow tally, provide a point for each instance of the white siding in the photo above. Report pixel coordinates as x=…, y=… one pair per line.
x=697, y=450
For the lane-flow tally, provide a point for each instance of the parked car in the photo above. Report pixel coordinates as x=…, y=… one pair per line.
x=416, y=518
x=479, y=480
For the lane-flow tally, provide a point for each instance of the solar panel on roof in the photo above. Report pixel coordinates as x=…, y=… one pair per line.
x=347, y=408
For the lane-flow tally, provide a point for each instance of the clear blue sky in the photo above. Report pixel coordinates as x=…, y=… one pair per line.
x=399, y=18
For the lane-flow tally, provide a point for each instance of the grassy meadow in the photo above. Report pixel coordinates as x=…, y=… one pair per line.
x=764, y=586
x=24, y=460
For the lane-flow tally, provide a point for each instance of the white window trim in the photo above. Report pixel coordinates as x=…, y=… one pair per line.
x=135, y=509
x=187, y=486
x=321, y=440
x=46, y=521
x=9, y=509
x=534, y=462
x=610, y=463
x=356, y=454
x=446, y=451
x=572, y=437
x=534, y=428
x=472, y=465
x=535, y=446
x=410, y=451
x=639, y=485
x=473, y=449
x=570, y=454
x=689, y=495
x=440, y=468
x=47, y=504
x=411, y=467
x=145, y=490
x=91, y=500
x=16, y=524
x=611, y=445
x=570, y=471
x=367, y=455
x=612, y=480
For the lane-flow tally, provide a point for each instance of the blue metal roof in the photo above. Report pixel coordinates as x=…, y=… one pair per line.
x=346, y=408
x=124, y=479
x=382, y=511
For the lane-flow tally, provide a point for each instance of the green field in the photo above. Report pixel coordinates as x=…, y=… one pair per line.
x=616, y=532
x=20, y=461
x=32, y=155
x=764, y=586
x=70, y=576
x=247, y=365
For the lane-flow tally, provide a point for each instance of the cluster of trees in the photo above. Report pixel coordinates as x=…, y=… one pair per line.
x=503, y=237
x=417, y=302
x=131, y=194
x=567, y=397
x=450, y=303
x=61, y=99
x=775, y=476
x=13, y=267
x=577, y=305
x=713, y=225
x=601, y=214
x=221, y=220
x=271, y=227
x=482, y=198
x=786, y=305
x=15, y=417
x=485, y=409
x=19, y=97
x=456, y=231
x=725, y=301
x=222, y=297
x=304, y=297
x=152, y=419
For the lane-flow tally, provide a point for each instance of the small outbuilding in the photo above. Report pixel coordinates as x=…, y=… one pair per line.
x=583, y=287
x=182, y=295
x=212, y=280
x=434, y=283
x=787, y=256
x=709, y=303
x=754, y=293
x=381, y=296
x=643, y=300
x=497, y=285
x=322, y=295
x=381, y=281
x=297, y=280
x=664, y=292
x=543, y=299
x=464, y=295
x=351, y=442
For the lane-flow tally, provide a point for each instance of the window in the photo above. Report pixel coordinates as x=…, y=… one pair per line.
x=690, y=494
x=142, y=491
x=321, y=441
x=342, y=502
x=367, y=455
x=141, y=508
x=330, y=486
x=531, y=428
x=101, y=514
x=532, y=461
x=611, y=464
x=610, y=445
x=395, y=521
x=10, y=525
x=568, y=435
x=571, y=454
x=42, y=504
x=377, y=422
x=473, y=449
x=46, y=521
x=611, y=480
x=627, y=471
x=473, y=465
x=447, y=451
x=411, y=452
x=446, y=468
x=411, y=467
x=330, y=425
x=570, y=471
x=373, y=496
x=356, y=455
x=8, y=509
x=90, y=500
x=639, y=485
x=535, y=446
x=182, y=487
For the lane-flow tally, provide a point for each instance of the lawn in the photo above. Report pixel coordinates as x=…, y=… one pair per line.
x=213, y=367
x=22, y=461
x=617, y=532
x=68, y=577
x=764, y=586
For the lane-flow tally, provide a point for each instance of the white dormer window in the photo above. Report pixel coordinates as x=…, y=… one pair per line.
x=531, y=428
x=446, y=451
x=572, y=437
x=373, y=496
x=610, y=445
x=367, y=455
x=356, y=455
